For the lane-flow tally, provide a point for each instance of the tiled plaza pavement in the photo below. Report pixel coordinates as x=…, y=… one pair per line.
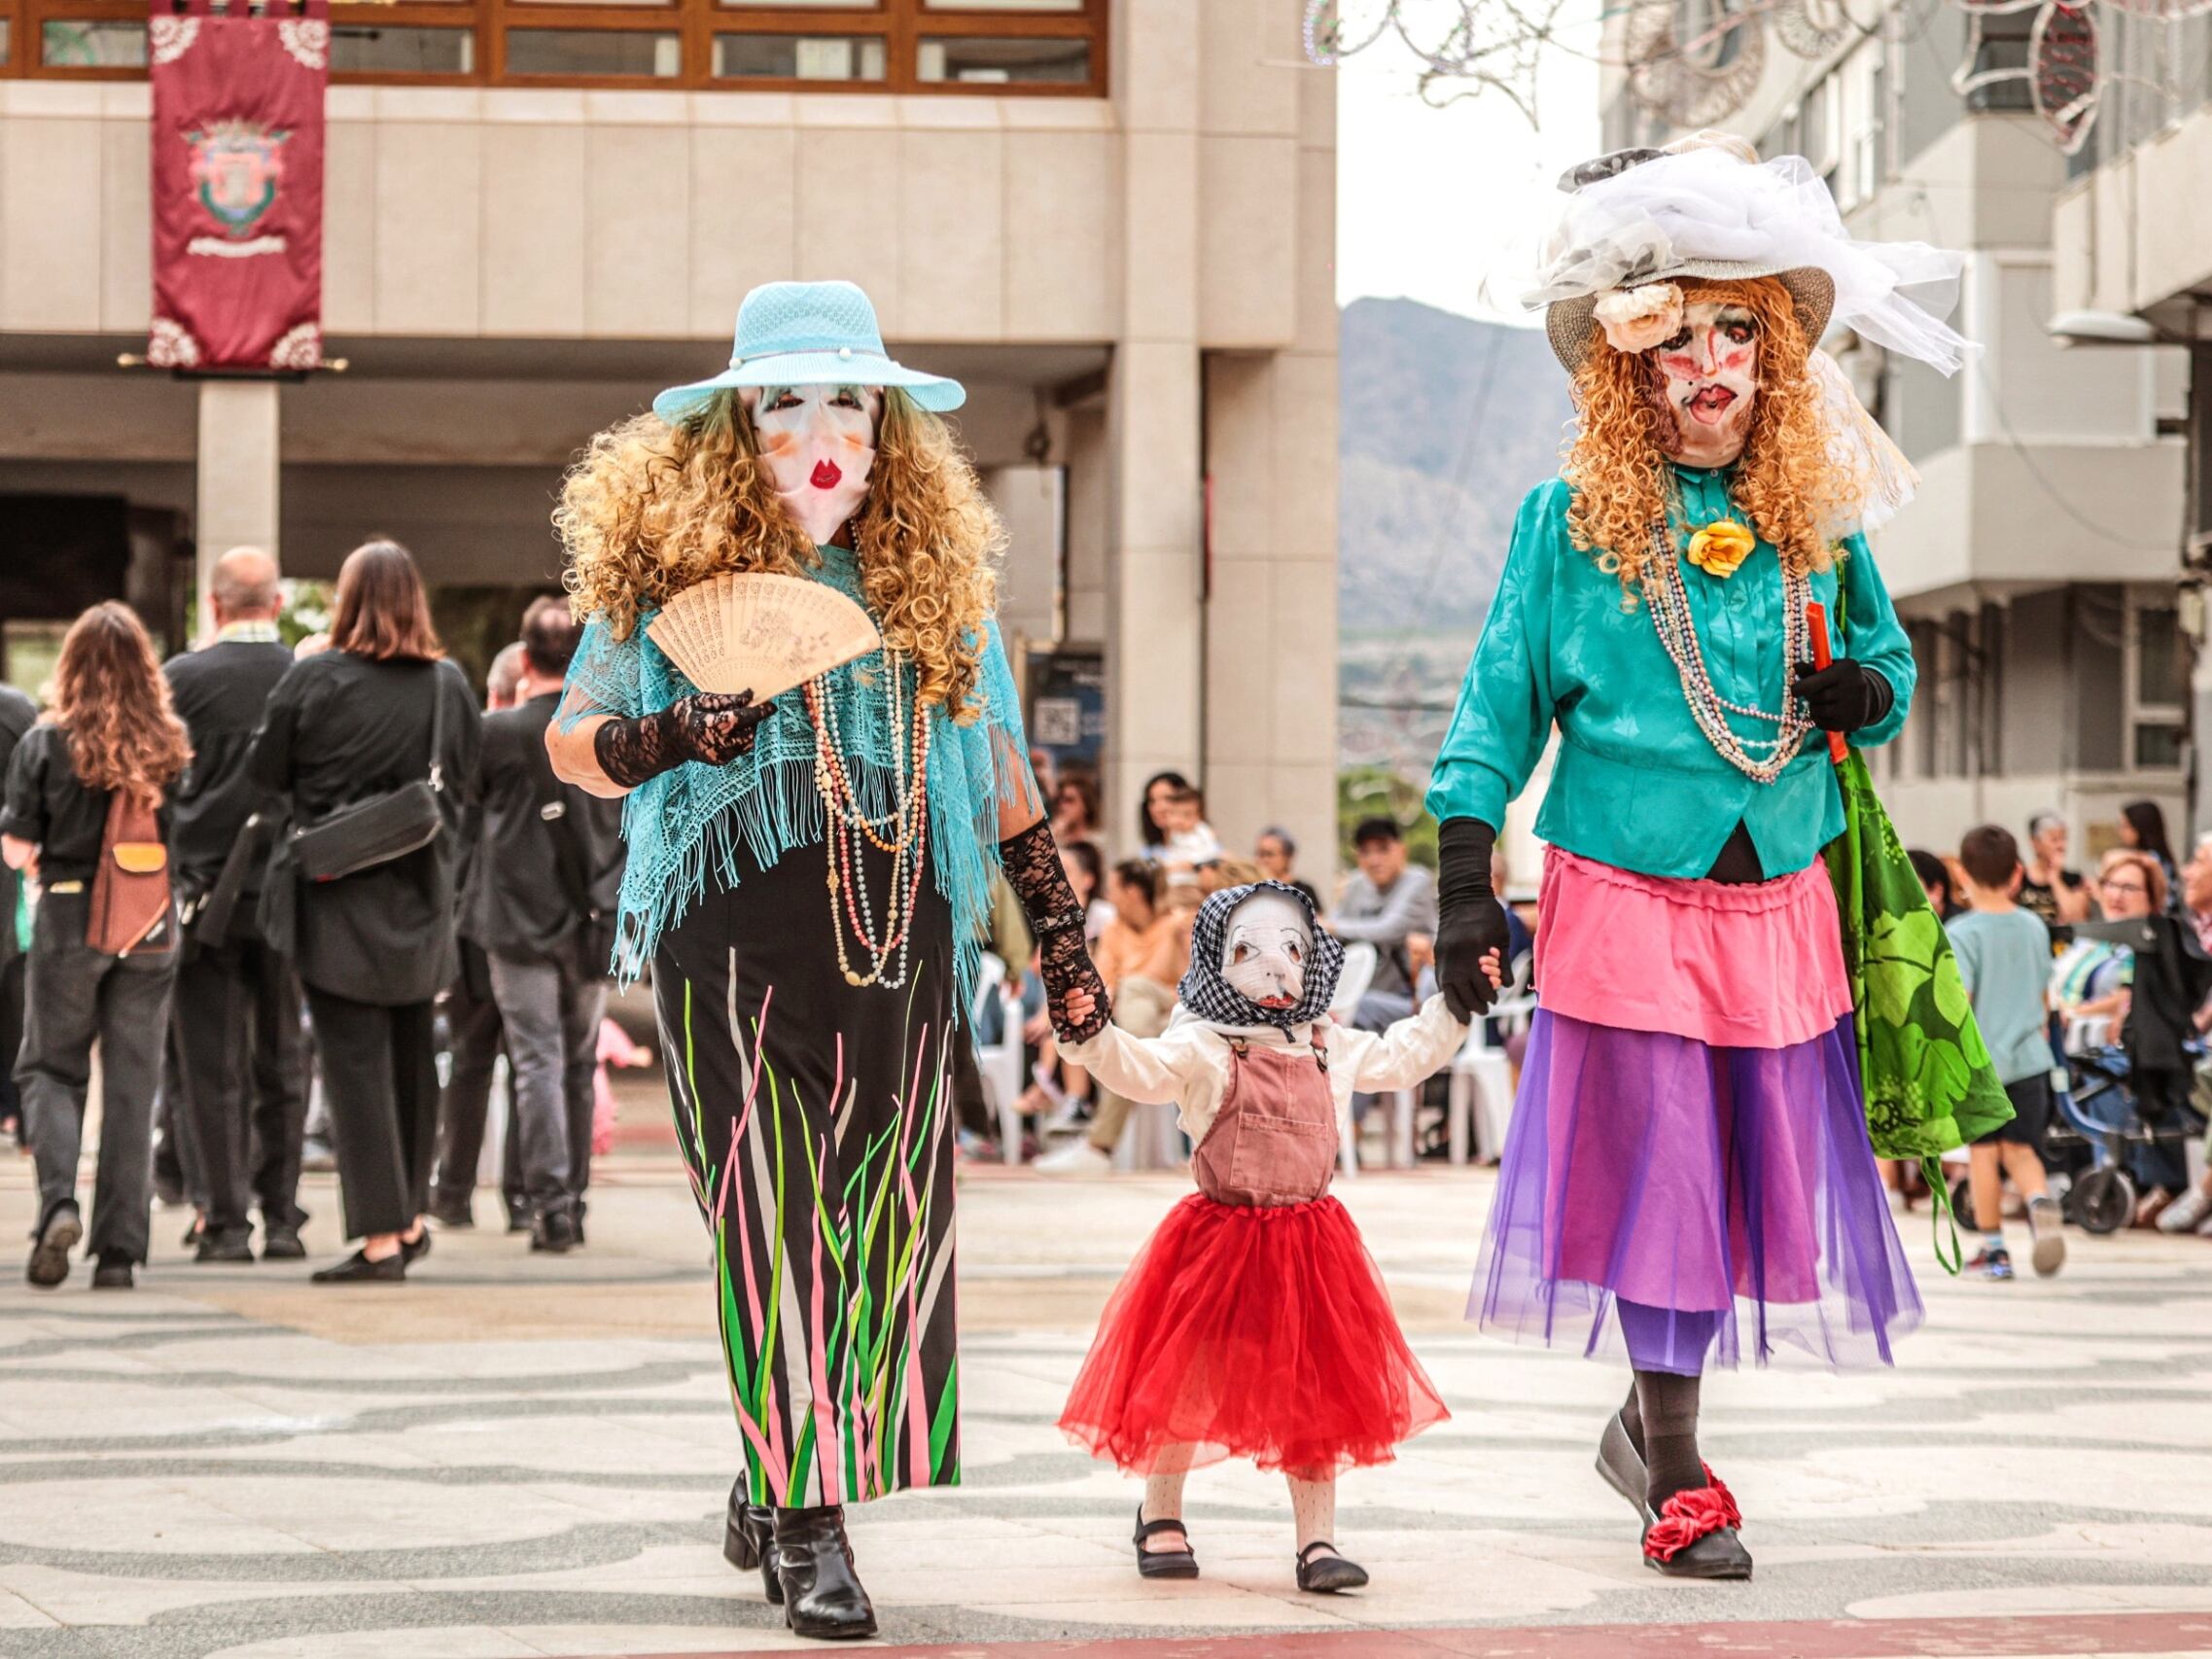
x=517, y=1456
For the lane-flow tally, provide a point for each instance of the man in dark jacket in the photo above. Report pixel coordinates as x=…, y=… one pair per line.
x=541, y=902
x=17, y=714
x=241, y=1063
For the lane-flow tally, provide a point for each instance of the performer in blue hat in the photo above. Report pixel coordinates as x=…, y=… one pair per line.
x=810, y=879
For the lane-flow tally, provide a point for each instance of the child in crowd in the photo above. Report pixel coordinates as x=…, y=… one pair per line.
x=2004, y=955
x=1191, y=841
x=1254, y=1324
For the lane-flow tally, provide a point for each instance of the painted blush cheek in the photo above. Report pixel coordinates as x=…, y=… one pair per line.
x=778, y=442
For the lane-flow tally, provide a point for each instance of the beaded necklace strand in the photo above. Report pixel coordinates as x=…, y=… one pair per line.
x=1667, y=597
x=847, y=826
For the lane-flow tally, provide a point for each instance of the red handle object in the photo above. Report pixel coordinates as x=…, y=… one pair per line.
x=1816, y=624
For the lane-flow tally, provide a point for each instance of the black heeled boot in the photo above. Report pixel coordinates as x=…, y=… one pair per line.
x=749, y=1540
x=823, y=1597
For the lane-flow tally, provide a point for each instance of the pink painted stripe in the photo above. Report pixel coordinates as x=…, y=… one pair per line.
x=2106, y=1633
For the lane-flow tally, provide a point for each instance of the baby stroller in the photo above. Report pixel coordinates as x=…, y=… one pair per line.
x=2100, y=1111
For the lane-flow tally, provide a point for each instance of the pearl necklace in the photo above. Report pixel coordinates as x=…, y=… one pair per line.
x=847, y=823
x=1667, y=597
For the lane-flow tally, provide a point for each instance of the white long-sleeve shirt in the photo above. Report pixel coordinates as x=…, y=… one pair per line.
x=1188, y=1063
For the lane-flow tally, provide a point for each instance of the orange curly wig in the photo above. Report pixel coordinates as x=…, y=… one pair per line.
x=1786, y=483
x=651, y=508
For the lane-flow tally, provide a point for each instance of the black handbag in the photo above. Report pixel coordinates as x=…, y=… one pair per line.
x=384, y=827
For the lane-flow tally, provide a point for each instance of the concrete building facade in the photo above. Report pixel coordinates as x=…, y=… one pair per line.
x=2036, y=570
x=1113, y=219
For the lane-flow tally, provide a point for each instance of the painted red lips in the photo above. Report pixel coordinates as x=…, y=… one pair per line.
x=827, y=476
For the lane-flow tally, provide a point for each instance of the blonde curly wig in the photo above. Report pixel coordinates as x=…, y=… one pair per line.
x=653, y=508
x=1787, y=482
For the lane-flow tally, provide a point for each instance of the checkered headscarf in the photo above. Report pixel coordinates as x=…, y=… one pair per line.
x=1213, y=997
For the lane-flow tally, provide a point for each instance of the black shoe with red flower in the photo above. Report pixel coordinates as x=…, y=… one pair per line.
x=1694, y=1533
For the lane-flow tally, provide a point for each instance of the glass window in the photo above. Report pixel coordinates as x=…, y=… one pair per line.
x=356, y=49
x=811, y=5
x=2158, y=748
x=2157, y=657
x=800, y=57
x=73, y=43
x=3, y=40
x=985, y=60
x=594, y=52
x=1062, y=6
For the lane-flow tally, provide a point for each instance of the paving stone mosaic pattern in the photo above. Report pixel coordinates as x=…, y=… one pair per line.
x=528, y=1456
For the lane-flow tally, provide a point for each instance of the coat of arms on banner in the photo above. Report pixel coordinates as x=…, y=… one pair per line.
x=237, y=167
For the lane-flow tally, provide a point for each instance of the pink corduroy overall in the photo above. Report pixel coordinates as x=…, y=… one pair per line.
x=1274, y=1139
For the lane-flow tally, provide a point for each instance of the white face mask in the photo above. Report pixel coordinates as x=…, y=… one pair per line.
x=1708, y=374
x=819, y=443
x=1263, y=958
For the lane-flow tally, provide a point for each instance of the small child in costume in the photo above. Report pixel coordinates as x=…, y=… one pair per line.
x=1253, y=1322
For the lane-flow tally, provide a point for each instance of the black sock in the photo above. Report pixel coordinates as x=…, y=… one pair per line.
x=1632, y=1418
x=1668, y=1405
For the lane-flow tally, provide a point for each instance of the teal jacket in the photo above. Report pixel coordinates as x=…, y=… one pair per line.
x=1635, y=784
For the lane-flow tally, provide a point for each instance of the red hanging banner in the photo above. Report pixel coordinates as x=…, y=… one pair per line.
x=239, y=182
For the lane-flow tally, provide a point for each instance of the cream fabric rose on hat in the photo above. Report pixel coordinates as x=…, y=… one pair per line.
x=1636, y=319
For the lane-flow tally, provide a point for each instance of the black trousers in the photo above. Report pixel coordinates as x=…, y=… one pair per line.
x=474, y=1030
x=243, y=1077
x=76, y=997
x=380, y=1078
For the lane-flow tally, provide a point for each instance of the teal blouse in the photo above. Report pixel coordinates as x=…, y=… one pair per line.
x=1635, y=784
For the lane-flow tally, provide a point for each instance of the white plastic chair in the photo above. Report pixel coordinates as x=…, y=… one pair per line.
x=1352, y=983
x=1480, y=1069
x=1001, y=1062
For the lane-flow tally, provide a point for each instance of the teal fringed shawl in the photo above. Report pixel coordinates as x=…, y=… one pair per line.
x=684, y=825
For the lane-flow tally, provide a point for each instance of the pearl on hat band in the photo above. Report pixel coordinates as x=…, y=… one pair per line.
x=844, y=351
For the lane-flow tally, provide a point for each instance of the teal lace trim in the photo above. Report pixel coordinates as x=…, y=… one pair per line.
x=685, y=827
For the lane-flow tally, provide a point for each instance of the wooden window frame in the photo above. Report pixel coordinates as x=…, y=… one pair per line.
x=901, y=25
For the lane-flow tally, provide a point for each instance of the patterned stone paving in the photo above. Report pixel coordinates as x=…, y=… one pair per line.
x=517, y=1456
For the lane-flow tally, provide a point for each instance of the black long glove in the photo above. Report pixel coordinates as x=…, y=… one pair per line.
x=711, y=727
x=1032, y=860
x=1845, y=695
x=1470, y=922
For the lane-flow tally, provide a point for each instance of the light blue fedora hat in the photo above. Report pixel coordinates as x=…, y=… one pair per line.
x=810, y=333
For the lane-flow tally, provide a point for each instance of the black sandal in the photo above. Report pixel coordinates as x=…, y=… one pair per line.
x=1328, y=1573
x=1163, y=1563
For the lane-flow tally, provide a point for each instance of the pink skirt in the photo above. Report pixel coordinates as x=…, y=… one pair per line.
x=1751, y=967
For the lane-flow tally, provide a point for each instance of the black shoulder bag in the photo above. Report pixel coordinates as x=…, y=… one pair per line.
x=384, y=827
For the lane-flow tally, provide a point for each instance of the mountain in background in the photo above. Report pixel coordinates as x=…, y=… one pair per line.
x=1444, y=424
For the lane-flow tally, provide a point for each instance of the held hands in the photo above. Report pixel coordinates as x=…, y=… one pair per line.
x=1470, y=953
x=1845, y=696
x=1081, y=1005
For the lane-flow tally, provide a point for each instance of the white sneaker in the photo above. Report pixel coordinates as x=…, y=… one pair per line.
x=2184, y=1214
x=2047, y=1227
x=1077, y=1157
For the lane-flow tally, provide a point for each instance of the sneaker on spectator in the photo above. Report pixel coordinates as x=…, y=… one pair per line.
x=1077, y=1157
x=1072, y=1113
x=2047, y=1228
x=1991, y=1264
x=2185, y=1213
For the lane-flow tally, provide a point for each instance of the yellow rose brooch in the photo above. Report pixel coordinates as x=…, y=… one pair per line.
x=1720, y=546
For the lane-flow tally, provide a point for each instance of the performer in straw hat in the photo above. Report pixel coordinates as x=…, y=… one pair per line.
x=809, y=879
x=1688, y=1180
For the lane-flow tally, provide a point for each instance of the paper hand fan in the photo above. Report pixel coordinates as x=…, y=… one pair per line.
x=760, y=634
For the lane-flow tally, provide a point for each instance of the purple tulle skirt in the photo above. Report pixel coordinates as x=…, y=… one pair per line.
x=1680, y=1205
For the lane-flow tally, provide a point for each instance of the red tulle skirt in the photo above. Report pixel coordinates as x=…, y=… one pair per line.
x=1246, y=1331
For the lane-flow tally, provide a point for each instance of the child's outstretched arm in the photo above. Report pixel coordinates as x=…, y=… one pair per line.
x=1148, y=1069
x=1408, y=1053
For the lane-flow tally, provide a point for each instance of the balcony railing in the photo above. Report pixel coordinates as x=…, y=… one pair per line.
x=1017, y=48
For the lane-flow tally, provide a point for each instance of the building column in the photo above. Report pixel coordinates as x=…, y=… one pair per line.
x=1154, y=576
x=236, y=500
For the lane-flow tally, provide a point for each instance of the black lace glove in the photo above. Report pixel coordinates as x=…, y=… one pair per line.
x=711, y=727
x=1031, y=861
x=1470, y=922
x=1845, y=695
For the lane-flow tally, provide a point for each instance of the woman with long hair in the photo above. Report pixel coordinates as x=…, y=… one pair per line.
x=810, y=879
x=1689, y=1178
x=2143, y=829
x=378, y=711
x=110, y=731
x=1159, y=790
